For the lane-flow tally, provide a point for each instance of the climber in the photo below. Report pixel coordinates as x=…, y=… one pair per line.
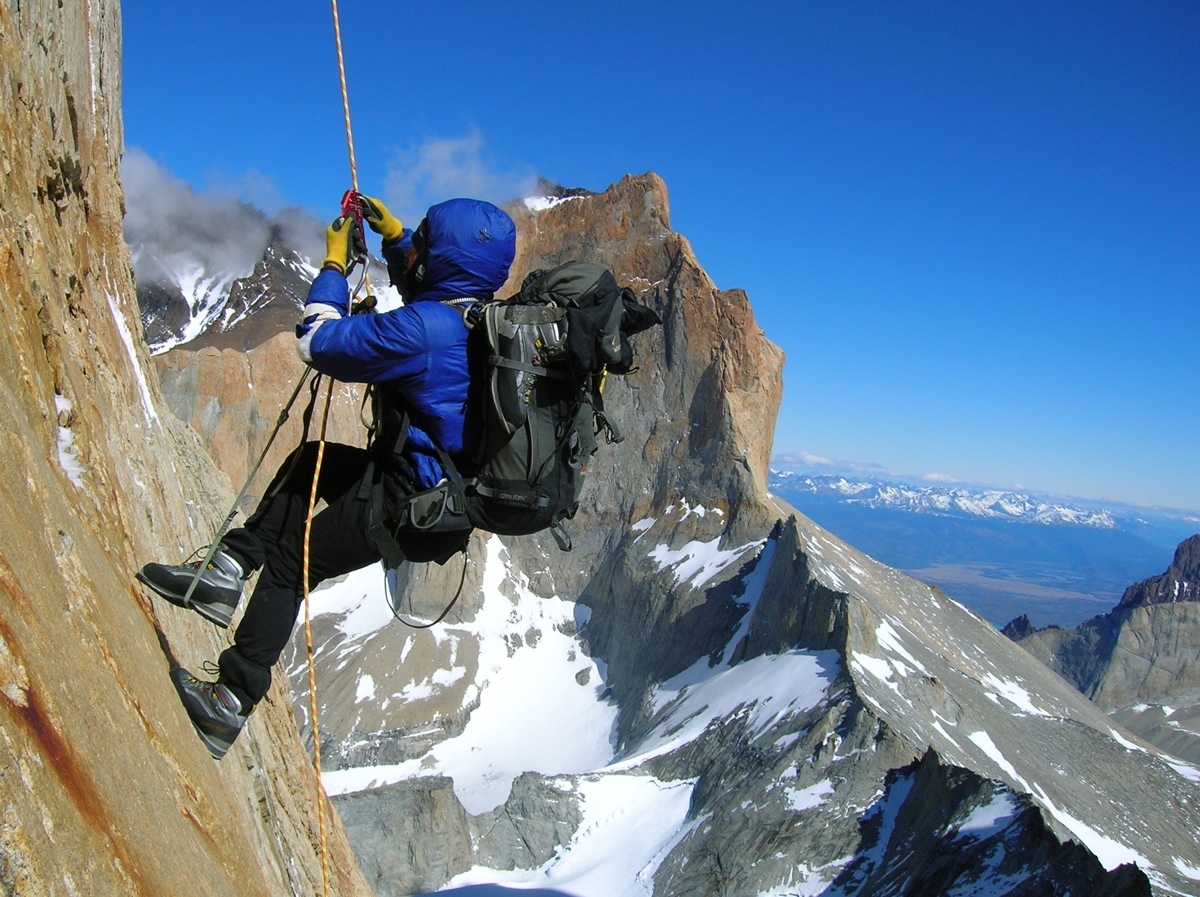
x=417, y=354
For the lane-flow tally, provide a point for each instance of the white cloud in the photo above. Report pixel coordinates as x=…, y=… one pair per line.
x=444, y=168
x=166, y=217
x=808, y=459
x=251, y=186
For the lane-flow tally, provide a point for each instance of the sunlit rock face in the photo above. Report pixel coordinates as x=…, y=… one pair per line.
x=104, y=786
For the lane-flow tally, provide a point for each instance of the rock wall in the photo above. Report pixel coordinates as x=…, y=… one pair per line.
x=104, y=787
x=233, y=399
x=709, y=336
x=697, y=418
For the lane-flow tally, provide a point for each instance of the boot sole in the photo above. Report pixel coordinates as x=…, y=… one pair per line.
x=218, y=614
x=217, y=747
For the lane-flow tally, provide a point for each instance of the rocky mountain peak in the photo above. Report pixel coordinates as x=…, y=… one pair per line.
x=1180, y=582
x=547, y=193
x=1018, y=628
x=264, y=303
x=1138, y=661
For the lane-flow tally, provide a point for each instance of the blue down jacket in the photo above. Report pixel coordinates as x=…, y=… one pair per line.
x=419, y=349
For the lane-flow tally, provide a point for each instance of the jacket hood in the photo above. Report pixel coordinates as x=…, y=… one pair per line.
x=469, y=246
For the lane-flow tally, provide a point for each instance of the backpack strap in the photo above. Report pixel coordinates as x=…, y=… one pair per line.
x=501, y=362
x=457, y=481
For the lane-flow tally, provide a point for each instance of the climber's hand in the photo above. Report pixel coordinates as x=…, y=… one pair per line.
x=382, y=221
x=343, y=244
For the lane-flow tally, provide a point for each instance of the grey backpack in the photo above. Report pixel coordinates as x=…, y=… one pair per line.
x=544, y=353
x=548, y=349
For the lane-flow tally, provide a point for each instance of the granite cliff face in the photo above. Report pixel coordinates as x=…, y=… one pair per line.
x=1141, y=661
x=233, y=399
x=104, y=787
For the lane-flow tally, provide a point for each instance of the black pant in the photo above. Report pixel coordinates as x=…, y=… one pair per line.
x=340, y=542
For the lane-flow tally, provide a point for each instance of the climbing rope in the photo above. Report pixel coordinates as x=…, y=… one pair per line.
x=308, y=644
x=353, y=195
x=337, y=35
x=312, y=500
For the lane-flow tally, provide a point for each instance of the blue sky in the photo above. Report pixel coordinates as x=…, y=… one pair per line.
x=974, y=228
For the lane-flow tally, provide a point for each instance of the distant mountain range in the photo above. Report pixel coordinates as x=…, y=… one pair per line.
x=1003, y=553
x=961, y=501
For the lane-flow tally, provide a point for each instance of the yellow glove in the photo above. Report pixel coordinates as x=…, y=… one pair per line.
x=343, y=244
x=381, y=220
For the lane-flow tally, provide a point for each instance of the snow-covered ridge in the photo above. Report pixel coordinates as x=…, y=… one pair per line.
x=213, y=298
x=944, y=501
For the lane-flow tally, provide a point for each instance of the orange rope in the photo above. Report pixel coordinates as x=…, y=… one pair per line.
x=322, y=800
x=337, y=34
x=308, y=643
x=341, y=59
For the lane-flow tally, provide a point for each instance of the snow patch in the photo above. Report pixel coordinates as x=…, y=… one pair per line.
x=366, y=690
x=889, y=640
x=1187, y=770
x=780, y=685
x=991, y=818
x=808, y=798
x=630, y=823
x=138, y=373
x=68, y=460
x=984, y=741
x=880, y=668
x=356, y=599
x=1014, y=694
x=1187, y=870
x=546, y=689
x=541, y=203
x=698, y=563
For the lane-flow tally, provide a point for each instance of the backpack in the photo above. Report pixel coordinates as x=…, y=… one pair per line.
x=543, y=354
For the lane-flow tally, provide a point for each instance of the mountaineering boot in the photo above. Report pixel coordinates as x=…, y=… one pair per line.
x=216, y=594
x=213, y=709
